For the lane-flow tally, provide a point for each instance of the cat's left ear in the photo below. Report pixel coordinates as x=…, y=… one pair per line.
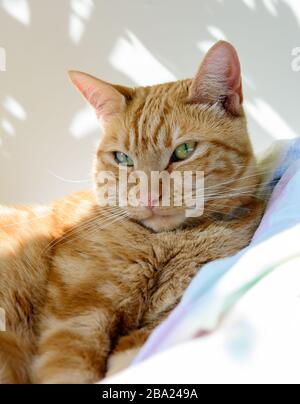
x=219, y=80
x=107, y=99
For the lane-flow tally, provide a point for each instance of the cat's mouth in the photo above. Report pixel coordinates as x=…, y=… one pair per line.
x=162, y=213
x=160, y=220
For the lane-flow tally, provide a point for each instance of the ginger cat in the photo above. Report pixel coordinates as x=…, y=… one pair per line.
x=82, y=285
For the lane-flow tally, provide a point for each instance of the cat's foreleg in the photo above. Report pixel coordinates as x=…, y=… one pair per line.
x=73, y=350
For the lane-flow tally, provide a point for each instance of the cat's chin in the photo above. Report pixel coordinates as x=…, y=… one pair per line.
x=163, y=223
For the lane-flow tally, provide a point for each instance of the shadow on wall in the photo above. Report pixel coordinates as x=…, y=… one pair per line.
x=48, y=135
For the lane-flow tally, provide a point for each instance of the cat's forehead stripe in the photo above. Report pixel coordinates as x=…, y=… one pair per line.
x=150, y=116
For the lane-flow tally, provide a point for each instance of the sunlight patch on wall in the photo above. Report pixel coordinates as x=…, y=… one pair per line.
x=18, y=9
x=14, y=108
x=216, y=33
x=271, y=6
x=250, y=4
x=80, y=14
x=133, y=59
x=76, y=28
x=84, y=123
x=295, y=7
x=204, y=46
x=2, y=59
x=8, y=127
x=268, y=119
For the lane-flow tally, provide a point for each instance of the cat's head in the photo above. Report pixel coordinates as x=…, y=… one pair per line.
x=185, y=126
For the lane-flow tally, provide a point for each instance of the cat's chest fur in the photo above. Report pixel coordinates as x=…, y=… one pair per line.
x=139, y=273
x=133, y=273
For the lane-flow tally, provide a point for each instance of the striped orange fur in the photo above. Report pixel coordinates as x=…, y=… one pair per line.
x=83, y=286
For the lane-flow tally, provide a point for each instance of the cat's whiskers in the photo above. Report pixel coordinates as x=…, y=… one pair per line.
x=86, y=181
x=239, y=191
x=91, y=224
x=221, y=193
x=94, y=226
x=239, y=179
x=76, y=227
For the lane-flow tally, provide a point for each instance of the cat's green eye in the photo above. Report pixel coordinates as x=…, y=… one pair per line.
x=123, y=159
x=184, y=151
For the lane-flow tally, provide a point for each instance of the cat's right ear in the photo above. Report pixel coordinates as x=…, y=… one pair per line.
x=106, y=99
x=219, y=79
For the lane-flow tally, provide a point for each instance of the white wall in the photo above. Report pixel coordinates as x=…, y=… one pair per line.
x=47, y=134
